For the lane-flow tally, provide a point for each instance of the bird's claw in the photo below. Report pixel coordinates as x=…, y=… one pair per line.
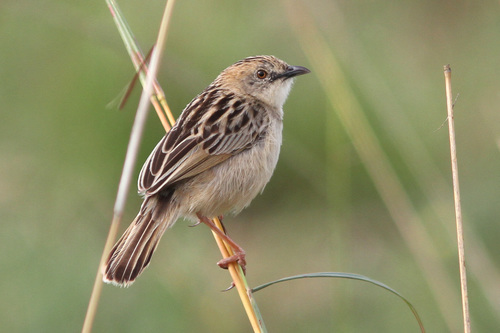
x=231, y=286
x=238, y=258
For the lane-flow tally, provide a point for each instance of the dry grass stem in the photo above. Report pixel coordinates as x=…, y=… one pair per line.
x=97, y=288
x=139, y=62
x=240, y=283
x=130, y=160
x=456, y=197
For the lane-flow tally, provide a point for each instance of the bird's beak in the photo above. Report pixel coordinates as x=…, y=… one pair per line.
x=293, y=71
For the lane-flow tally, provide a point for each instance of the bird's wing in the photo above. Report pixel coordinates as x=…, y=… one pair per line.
x=210, y=130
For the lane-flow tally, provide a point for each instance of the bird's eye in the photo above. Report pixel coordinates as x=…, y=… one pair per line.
x=261, y=74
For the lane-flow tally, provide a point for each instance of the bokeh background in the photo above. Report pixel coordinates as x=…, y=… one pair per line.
x=363, y=184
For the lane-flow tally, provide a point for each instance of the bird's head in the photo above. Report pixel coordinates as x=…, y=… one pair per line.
x=266, y=78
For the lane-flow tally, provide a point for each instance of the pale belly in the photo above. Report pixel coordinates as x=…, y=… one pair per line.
x=232, y=185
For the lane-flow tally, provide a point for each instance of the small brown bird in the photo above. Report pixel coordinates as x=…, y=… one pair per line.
x=218, y=156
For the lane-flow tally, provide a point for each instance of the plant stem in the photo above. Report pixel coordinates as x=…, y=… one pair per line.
x=456, y=197
x=128, y=167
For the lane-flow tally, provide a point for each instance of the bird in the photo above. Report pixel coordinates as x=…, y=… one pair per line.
x=215, y=160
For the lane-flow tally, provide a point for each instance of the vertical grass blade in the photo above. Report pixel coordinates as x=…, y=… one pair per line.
x=130, y=160
x=456, y=197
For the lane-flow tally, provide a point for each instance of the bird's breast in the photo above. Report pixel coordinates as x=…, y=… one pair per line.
x=233, y=184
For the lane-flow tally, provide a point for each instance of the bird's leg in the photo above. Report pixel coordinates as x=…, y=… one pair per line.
x=239, y=253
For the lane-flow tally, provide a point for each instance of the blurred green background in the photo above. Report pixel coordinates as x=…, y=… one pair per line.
x=335, y=203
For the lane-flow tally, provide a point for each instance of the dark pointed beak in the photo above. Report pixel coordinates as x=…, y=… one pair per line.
x=293, y=71
x=290, y=72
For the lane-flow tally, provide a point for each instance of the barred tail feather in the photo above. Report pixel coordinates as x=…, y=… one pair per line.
x=133, y=251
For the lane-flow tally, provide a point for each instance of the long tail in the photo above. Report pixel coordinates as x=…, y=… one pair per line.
x=132, y=253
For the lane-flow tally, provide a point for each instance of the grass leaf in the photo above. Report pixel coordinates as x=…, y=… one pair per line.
x=351, y=276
